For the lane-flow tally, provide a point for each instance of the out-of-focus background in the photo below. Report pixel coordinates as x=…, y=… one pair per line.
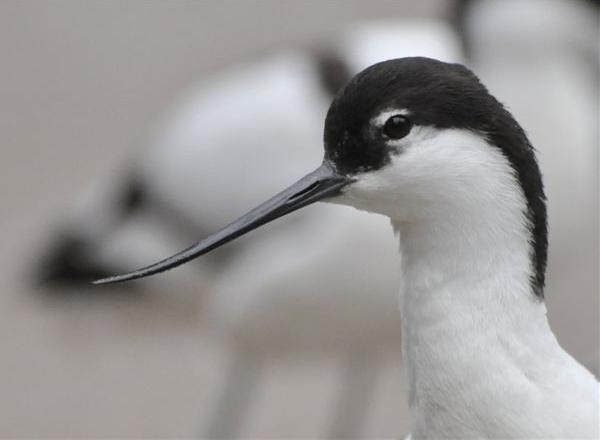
x=124, y=126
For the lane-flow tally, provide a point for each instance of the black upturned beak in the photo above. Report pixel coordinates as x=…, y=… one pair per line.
x=322, y=183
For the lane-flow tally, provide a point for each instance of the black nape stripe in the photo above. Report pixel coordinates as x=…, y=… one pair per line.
x=440, y=95
x=508, y=135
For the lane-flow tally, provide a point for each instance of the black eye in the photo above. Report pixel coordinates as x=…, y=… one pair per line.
x=397, y=126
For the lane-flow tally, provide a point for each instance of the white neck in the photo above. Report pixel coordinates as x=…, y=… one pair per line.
x=475, y=337
x=480, y=356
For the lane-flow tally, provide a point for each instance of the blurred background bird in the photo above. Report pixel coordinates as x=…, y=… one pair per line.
x=288, y=320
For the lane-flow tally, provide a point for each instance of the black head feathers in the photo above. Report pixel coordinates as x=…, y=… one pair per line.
x=440, y=95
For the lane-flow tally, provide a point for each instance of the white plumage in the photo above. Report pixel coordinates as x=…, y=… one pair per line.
x=276, y=107
x=481, y=358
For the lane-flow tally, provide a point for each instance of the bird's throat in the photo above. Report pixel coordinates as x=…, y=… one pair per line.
x=470, y=318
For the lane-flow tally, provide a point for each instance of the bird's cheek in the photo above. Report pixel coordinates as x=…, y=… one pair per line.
x=370, y=193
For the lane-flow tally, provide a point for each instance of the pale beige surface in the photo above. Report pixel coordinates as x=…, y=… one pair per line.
x=81, y=85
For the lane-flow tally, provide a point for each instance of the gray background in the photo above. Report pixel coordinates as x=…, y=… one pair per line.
x=82, y=84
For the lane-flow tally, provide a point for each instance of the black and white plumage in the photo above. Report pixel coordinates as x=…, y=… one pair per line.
x=509, y=78
x=476, y=337
x=261, y=292
x=440, y=96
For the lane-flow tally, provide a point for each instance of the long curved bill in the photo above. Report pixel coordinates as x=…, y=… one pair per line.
x=322, y=183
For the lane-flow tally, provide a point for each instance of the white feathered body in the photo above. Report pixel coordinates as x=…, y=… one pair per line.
x=482, y=361
x=481, y=358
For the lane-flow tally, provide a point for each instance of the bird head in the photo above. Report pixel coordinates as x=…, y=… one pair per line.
x=410, y=138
